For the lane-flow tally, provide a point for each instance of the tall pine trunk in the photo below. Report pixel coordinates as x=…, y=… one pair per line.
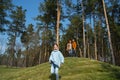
x=95, y=39
x=83, y=30
x=109, y=35
x=58, y=22
x=80, y=52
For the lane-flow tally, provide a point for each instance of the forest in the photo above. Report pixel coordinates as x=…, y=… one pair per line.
x=93, y=24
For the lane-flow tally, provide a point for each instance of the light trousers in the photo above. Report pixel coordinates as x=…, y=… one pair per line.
x=54, y=70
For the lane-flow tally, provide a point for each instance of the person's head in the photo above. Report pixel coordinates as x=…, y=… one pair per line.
x=69, y=41
x=56, y=46
x=73, y=40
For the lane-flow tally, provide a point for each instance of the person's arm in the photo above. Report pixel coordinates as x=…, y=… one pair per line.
x=50, y=58
x=75, y=45
x=67, y=47
x=61, y=57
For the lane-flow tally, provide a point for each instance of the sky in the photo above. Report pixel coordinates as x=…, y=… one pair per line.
x=32, y=9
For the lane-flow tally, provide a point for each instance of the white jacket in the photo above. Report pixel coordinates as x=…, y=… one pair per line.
x=56, y=57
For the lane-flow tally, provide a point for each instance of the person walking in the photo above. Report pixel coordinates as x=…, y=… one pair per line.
x=74, y=45
x=56, y=59
x=69, y=48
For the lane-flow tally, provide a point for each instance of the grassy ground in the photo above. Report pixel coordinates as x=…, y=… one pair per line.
x=72, y=69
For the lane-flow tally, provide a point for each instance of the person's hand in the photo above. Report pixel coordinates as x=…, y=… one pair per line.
x=50, y=62
x=62, y=62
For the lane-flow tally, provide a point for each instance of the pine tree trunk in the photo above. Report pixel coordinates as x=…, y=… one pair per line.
x=26, y=58
x=95, y=39
x=95, y=45
x=88, y=52
x=39, y=55
x=87, y=42
x=58, y=22
x=83, y=30
x=103, y=59
x=109, y=35
x=80, y=52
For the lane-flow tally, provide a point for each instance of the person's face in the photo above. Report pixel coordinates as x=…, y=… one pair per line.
x=69, y=41
x=55, y=47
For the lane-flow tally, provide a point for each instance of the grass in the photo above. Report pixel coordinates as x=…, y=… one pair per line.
x=72, y=69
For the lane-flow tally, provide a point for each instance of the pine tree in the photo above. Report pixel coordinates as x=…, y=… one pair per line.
x=109, y=34
x=17, y=26
x=5, y=7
